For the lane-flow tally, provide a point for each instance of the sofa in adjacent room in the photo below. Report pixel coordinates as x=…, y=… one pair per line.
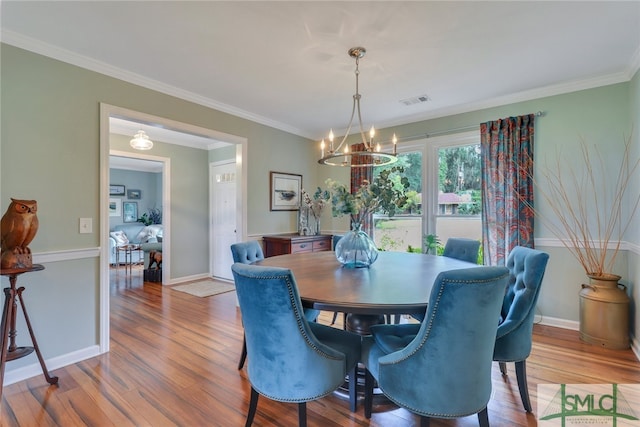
x=136, y=234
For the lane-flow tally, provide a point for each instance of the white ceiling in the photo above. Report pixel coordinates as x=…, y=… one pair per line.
x=285, y=64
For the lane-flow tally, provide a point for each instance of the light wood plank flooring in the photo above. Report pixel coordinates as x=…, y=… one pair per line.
x=173, y=363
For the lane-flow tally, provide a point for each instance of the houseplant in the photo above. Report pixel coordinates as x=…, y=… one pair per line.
x=587, y=214
x=152, y=216
x=382, y=195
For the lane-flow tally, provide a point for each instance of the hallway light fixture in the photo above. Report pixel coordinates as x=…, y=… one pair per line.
x=141, y=141
x=372, y=154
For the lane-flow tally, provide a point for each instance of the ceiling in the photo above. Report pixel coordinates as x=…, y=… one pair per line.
x=285, y=64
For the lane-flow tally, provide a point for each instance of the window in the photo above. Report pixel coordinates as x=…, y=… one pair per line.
x=444, y=194
x=456, y=202
x=403, y=231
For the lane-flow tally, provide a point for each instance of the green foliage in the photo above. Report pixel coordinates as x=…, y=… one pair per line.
x=152, y=216
x=480, y=260
x=388, y=243
x=473, y=208
x=459, y=168
x=432, y=244
x=385, y=194
x=413, y=201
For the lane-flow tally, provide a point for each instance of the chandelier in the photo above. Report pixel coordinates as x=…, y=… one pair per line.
x=372, y=154
x=141, y=141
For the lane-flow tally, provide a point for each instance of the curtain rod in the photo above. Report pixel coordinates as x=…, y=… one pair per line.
x=454, y=130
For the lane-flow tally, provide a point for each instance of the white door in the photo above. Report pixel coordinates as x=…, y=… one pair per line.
x=223, y=218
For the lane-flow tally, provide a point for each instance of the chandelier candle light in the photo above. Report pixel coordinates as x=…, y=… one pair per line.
x=372, y=154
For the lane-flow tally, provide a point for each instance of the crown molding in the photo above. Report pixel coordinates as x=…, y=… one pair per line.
x=36, y=46
x=529, y=95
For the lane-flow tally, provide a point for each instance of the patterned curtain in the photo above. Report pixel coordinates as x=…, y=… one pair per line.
x=358, y=175
x=507, y=186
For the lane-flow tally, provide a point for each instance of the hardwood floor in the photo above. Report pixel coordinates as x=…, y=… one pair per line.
x=173, y=363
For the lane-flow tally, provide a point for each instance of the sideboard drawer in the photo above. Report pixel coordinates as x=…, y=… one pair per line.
x=321, y=245
x=293, y=243
x=297, y=248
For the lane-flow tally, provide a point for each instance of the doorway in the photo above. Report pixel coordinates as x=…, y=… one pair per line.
x=222, y=195
x=107, y=112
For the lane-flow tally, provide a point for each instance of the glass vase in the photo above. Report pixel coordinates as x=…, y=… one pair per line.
x=356, y=249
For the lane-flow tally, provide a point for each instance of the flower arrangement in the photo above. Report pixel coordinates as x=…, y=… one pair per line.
x=316, y=204
x=384, y=194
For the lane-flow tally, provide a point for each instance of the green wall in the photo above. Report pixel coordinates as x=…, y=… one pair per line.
x=50, y=152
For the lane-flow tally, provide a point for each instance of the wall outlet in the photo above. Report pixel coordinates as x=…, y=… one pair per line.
x=86, y=225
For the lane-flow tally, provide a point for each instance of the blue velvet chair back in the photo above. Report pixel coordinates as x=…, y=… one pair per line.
x=526, y=270
x=247, y=252
x=462, y=249
x=445, y=371
x=288, y=362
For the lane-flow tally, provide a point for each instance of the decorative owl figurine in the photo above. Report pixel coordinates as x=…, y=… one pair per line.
x=18, y=227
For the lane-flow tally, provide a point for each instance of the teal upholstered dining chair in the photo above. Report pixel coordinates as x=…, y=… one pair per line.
x=514, y=337
x=248, y=253
x=292, y=360
x=459, y=248
x=462, y=249
x=441, y=368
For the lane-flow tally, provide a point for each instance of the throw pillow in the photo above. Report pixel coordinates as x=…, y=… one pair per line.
x=119, y=237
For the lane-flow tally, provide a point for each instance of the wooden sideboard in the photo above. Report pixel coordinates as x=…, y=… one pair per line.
x=293, y=243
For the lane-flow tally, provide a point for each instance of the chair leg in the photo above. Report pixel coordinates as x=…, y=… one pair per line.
x=425, y=421
x=243, y=355
x=302, y=414
x=335, y=316
x=503, y=368
x=483, y=418
x=368, y=393
x=253, y=404
x=521, y=375
x=353, y=388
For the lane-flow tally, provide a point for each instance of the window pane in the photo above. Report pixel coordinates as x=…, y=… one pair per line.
x=459, y=193
x=403, y=231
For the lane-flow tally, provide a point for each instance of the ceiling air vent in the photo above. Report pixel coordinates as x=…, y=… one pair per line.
x=415, y=100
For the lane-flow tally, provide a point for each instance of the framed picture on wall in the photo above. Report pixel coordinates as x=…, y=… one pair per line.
x=130, y=211
x=134, y=194
x=115, y=207
x=116, y=190
x=285, y=190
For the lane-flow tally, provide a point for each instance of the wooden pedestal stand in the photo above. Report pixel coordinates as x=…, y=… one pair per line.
x=8, y=339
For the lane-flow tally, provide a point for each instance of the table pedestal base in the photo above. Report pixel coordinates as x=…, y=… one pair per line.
x=361, y=323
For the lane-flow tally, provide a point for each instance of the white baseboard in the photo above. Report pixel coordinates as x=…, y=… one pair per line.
x=575, y=326
x=558, y=323
x=635, y=347
x=33, y=370
x=177, y=280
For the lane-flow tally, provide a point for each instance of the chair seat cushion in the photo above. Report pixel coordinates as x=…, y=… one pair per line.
x=392, y=338
x=345, y=342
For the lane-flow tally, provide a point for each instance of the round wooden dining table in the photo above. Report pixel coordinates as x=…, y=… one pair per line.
x=397, y=283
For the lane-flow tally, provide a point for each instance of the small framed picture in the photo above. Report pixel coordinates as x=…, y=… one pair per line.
x=285, y=190
x=134, y=194
x=130, y=211
x=115, y=207
x=116, y=190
